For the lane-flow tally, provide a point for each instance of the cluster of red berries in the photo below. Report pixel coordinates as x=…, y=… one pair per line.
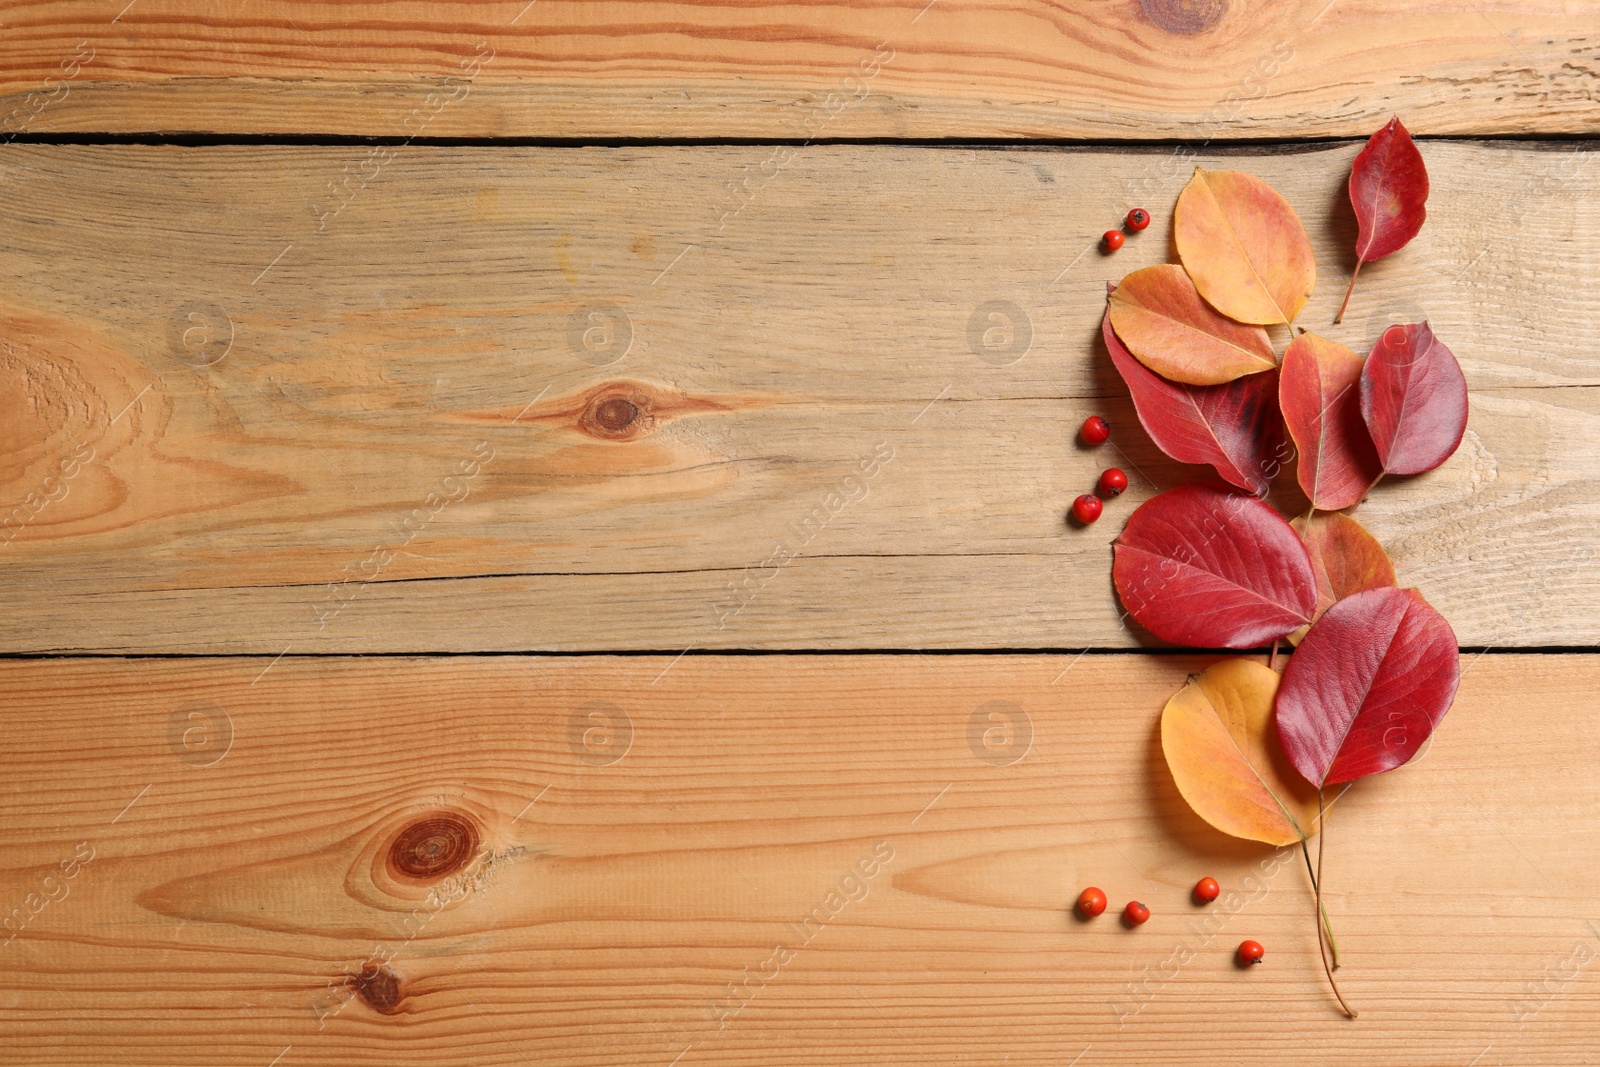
x=1137, y=220
x=1087, y=508
x=1092, y=902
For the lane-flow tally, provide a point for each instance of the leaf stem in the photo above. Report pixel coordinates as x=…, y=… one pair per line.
x=1327, y=924
x=1322, y=836
x=1340, y=317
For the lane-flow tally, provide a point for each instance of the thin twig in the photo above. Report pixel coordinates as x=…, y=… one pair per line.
x=1322, y=835
x=1327, y=924
x=1340, y=317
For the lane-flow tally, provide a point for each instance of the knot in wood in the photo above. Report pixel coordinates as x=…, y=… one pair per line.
x=1187, y=17
x=380, y=988
x=434, y=846
x=618, y=412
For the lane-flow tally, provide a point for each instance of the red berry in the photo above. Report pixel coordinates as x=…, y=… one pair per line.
x=1112, y=482
x=1206, y=890
x=1113, y=240
x=1138, y=219
x=1091, y=902
x=1250, y=952
x=1135, y=914
x=1096, y=431
x=1086, y=508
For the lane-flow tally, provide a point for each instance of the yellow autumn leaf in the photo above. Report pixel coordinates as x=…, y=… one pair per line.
x=1244, y=247
x=1222, y=748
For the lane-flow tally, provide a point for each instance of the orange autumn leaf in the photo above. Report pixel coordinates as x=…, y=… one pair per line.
x=1345, y=560
x=1244, y=247
x=1222, y=748
x=1159, y=316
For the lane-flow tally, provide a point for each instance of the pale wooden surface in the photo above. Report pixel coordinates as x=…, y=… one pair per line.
x=223, y=908
x=252, y=391
x=229, y=504
x=1191, y=69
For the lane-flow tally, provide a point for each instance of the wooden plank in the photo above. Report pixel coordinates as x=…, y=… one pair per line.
x=1193, y=69
x=198, y=867
x=235, y=425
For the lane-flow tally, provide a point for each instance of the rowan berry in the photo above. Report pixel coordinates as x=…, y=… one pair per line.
x=1091, y=902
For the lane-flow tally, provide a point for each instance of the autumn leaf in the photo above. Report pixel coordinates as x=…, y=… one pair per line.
x=1234, y=427
x=1414, y=400
x=1389, y=191
x=1217, y=735
x=1345, y=560
x=1199, y=565
x=1319, y=392
x=1160, y=317
x=1367, y=686
x=1244, y=247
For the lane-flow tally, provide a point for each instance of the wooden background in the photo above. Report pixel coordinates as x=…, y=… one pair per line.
x=402, y=405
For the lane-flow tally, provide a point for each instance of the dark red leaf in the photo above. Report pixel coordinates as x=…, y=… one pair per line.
x=1367, y=686
x=1389, y=190
x=1414, y=400
x=1234, y=427
x=1200, y=565
x=1319, y=390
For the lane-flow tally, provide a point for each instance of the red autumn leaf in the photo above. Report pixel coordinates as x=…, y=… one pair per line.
x=1234, y=427
x=1200, y=565
x=1345, y=559
x=1319, y=391
x=1367, y=686
x=1414, y=400
x=1389, y=190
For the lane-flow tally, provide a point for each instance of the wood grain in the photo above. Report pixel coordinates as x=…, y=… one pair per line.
x=630, y=866
x=386, y=428
x=1192, y=69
